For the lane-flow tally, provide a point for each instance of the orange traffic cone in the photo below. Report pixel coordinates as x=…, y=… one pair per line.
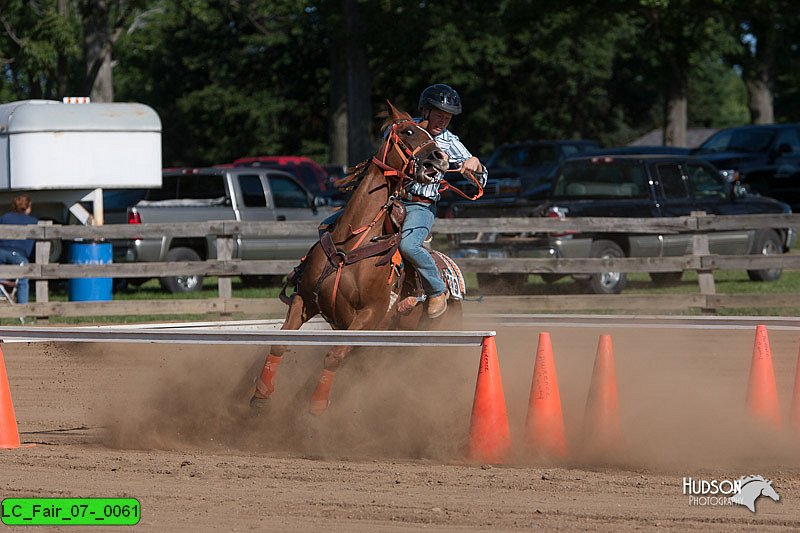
x=762, y=393
x=795, y=413
x=489, y=437
x=544, y=424
x=9, y=434
x=601, y=426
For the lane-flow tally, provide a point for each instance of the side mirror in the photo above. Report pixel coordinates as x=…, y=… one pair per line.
x=739, y=189
x=781, y=149
x=319, y=201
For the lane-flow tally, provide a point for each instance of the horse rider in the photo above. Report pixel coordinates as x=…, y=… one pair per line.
x=437, y=104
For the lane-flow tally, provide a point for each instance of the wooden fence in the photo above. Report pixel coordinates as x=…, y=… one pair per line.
x=224, y=266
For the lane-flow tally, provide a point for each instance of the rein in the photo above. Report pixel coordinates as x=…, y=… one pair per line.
x=468, y=173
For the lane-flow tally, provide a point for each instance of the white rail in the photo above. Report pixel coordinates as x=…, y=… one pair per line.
x=205, y=336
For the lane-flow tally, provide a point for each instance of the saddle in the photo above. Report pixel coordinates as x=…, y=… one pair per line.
x=384, y=245
x=410, y=291
x=405, y=283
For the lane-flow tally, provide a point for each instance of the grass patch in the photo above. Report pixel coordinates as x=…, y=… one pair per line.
x=727, y=282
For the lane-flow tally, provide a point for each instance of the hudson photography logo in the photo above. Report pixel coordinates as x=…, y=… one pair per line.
x=743, y=491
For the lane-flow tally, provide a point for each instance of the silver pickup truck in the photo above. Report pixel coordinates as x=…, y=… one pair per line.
x=242, y=194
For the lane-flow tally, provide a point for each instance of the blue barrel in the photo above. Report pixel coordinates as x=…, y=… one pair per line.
x=90, y=289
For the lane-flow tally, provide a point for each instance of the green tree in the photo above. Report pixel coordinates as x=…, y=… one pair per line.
x=39, y=49
x=230, y=79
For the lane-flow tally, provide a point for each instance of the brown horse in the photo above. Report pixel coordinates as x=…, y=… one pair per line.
x=348, y=276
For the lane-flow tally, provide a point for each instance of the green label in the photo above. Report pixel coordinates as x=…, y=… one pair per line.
x=70, y=511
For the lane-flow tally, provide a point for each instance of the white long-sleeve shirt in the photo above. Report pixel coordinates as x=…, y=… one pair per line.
x=450, y=144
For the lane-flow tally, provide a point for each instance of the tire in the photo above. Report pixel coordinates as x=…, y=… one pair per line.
x=766, y=242
x=501, y=283
x=551, y=278
x=263, y=280
x=607, y=282
x=56, y=250
x=666, y=279
x=182, y=284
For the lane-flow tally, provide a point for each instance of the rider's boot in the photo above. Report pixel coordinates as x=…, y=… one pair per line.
x=437, y=305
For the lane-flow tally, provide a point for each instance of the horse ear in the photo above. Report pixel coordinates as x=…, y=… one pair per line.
x=392, y=109
x=423, y=124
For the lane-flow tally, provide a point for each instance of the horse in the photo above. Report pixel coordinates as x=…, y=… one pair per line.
x=752, y=487
x=353, y=275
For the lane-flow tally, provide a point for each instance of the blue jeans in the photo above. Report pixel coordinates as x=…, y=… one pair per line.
x=10, y=257
x=418, y=224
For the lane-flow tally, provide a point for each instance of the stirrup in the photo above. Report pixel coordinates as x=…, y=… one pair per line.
x=406, y=305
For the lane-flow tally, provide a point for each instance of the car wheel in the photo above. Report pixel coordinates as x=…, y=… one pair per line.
x=666, y=279
x=551, y=278
x=501, y=283
x=607, y=282
x=185, y=283
x=263, y=280
x=767, y=242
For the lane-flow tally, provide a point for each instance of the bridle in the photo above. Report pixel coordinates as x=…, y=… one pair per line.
x=407, y=154
x=410, y=161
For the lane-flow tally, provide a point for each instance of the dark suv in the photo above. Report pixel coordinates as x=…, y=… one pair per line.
x=639, y=186
x=521, y=169
x=765, y=158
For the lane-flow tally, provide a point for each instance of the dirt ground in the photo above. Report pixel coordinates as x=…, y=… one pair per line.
x=169, y=425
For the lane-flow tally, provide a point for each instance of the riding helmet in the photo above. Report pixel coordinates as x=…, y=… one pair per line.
x=442, y=97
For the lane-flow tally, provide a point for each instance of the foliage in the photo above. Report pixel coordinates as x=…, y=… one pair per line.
x=250, y=77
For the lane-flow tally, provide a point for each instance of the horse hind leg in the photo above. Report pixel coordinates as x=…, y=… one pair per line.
x=265, y=384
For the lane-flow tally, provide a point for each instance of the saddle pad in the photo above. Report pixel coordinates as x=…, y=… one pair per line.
x=451, y=275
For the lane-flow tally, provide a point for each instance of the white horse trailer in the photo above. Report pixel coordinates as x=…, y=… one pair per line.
x=60, y=153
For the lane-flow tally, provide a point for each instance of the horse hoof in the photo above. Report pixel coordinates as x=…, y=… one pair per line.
x=260, y=404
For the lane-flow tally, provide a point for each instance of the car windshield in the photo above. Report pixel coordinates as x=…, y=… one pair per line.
x=600, y=177
x=738, y=140
x=524, y=156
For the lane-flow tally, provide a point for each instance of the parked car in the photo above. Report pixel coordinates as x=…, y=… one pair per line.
x=307, y=171
x=765, y=158
x=204, y=194
x=636, y=186
x=520, y=169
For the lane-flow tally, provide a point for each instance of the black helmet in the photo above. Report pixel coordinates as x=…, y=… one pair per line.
x=442, y=97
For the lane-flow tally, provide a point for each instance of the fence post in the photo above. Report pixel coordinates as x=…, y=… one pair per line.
x=705, y=276
x=42, y=255
x=224, y=253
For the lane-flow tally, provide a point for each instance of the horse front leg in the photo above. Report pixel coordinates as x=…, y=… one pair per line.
x=366, y=319
x=265, y=384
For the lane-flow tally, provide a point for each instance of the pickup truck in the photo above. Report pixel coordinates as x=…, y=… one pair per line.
x=520, y=168
x=222, y=193
x=637, y=186
x=765, y=158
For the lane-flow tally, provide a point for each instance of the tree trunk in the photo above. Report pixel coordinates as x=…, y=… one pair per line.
x=758, y=74
x=338, y=102
x=759, y=100
x=359, y=107
x=103, y=87
x=675, y=126
x=97, y=42
x=62, y=73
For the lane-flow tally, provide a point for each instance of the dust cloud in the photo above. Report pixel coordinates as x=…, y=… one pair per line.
x=681, y=394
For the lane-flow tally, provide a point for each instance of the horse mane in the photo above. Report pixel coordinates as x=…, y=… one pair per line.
x=356, y=173
x=354, y=176
x=748, y=479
